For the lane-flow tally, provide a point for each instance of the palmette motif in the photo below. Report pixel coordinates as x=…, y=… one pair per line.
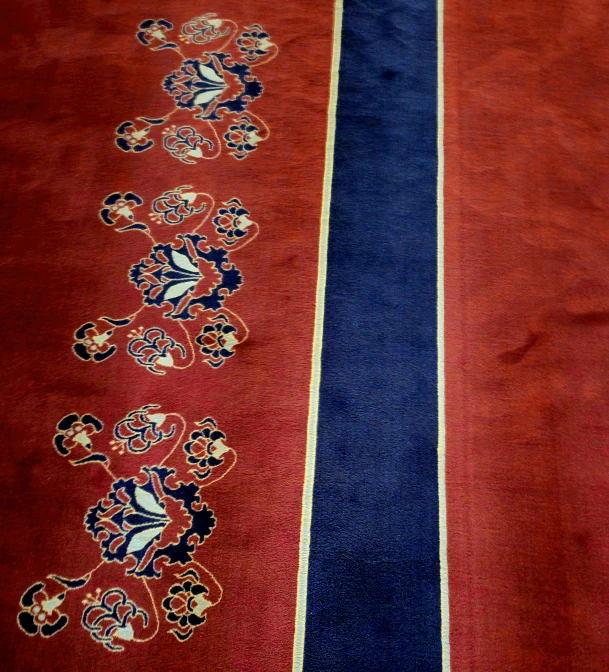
x=188, y=278
x=212, y=90
x=150, y=526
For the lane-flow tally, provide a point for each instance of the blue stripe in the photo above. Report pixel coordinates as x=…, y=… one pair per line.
x=374, y=577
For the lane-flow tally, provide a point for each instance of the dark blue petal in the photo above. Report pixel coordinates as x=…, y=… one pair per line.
x=67, y=421
x=89, y=419
x=27, y=600
x=27, y=622
x=48, y=630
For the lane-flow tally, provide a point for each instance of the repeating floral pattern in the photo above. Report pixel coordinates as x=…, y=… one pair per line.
x=188, y=278
x=150, y=527
x=152, y=521
x=212, y=89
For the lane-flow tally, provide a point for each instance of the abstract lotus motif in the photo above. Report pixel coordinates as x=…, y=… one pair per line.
x=206, y=449
x=145, y=521
x=182, y=277
x=255, y=43
x=242, y=138
x=210, y=85
x=232, y=221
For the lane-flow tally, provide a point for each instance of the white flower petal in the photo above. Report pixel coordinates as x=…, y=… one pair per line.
x=179, y=290
x=182, y=261
x=143, y=538
x=147, y=501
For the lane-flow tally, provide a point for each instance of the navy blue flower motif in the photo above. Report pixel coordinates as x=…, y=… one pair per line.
x=92, y=340
x=254, y=43
x=242, y=138
x=132, y=136
x=205, y=449
x=217, y=341
x=186, y=603
x=145, y=521
x=73, y=438
x=110, y=618
x=40, y=613
x=152, y=33
x=93, y=344
x=186, y=276
x=232, y=221
x=119, y=206
x=211, y=85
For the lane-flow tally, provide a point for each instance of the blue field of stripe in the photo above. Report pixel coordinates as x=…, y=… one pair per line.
x=374, y=578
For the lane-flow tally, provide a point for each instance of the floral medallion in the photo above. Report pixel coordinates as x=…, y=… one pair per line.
x=189, y=277
x=149, y=528
x=212, y=90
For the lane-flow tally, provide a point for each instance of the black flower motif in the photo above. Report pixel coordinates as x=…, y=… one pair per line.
x=40, y=613
x=186, y=604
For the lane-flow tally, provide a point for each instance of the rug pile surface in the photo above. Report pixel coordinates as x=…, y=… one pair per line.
x=305, y=338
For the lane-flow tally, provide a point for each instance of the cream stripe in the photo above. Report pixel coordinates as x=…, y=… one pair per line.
x=444, y=604
x=309, y=476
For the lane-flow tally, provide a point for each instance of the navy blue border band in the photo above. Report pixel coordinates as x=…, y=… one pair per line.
x=374, y=570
